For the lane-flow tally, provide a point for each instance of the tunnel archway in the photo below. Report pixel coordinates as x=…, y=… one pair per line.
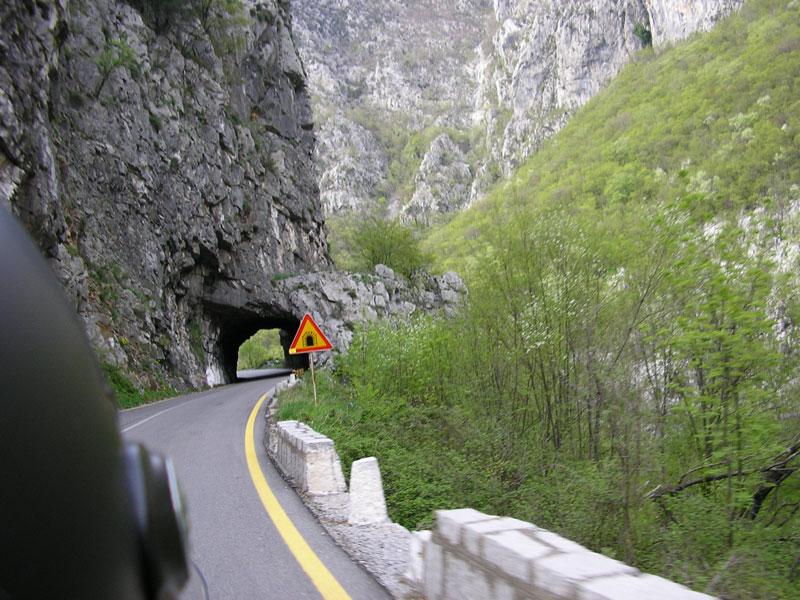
x=237, y=327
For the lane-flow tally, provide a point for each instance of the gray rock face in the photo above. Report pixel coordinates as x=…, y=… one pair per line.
x=384, y=70
x=442, y=182
x=351, y=161
x=546, y=60
x=504, y=76
x=674, y=20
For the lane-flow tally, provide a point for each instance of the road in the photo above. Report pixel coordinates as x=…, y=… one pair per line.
x=235, y=544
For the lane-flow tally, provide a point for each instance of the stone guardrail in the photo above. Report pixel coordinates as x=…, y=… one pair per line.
x=306, y=457
x=470, y=555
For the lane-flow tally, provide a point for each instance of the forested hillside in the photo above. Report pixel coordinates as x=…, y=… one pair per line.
x=626, y=371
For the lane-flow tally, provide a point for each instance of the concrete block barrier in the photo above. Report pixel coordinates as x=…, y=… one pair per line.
x=469, y=555
x=367, y=503
x=307, y=457
x=473, y=556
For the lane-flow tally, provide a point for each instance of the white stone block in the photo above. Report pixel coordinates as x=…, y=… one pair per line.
x=502, y=591
x=450, y=522
x=558, y=574
x=559, y=543
x=463, y=581
x=513, y=552
x=636, y=588
x=367, y=503
x=324, y=472
x=416, y=557
x=308, y=458
x=434, y=571
x=473, y=533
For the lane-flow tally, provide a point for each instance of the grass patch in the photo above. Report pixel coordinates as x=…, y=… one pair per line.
x=127, y=394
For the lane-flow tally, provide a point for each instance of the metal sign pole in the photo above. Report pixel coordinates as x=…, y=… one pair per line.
x=313, y=379
x=309, y=338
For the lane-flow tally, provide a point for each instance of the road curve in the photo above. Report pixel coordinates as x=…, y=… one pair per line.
x=234, y=543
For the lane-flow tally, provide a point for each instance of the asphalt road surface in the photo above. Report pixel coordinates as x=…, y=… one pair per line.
x=237, y=550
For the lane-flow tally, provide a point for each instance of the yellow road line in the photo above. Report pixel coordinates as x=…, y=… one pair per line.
x=321, y=577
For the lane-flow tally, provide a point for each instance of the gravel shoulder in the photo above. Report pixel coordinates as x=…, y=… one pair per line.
x=381, y=549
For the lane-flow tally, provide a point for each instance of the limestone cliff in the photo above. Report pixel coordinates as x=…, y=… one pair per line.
x=161, y=160
x=495, y=78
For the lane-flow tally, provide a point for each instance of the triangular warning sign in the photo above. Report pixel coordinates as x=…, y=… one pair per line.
x=309, y=338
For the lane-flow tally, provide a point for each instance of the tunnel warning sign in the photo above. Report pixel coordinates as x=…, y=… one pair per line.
x=309, y=338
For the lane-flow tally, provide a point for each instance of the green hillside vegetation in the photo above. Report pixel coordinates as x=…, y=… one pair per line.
x=627, y=369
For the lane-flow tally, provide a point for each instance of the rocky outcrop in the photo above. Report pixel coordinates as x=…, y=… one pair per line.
x=546, y=60
x=673, y=20
x=351, y=161
x=442, y=184
x=384, y=70
x=504, y=75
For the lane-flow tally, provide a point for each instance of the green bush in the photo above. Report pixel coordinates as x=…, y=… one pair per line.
x=359, y=243
x=116, y=54
x=644, y=34
x=388, y=243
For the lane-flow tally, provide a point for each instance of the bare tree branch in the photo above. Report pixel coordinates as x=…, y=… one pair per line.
x=774, y=474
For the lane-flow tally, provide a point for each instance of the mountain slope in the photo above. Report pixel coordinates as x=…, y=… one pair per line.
x=429, y=103
x=715, y=121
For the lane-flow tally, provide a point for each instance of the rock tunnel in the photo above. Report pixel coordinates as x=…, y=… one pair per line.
x=234, y=327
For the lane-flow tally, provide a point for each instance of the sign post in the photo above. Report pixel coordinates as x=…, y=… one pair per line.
x=309, y=339
x=313, y=379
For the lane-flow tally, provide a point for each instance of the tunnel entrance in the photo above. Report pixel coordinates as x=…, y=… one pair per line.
x=247, y=339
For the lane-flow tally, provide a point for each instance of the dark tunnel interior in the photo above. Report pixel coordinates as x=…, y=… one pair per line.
x=236, y=328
